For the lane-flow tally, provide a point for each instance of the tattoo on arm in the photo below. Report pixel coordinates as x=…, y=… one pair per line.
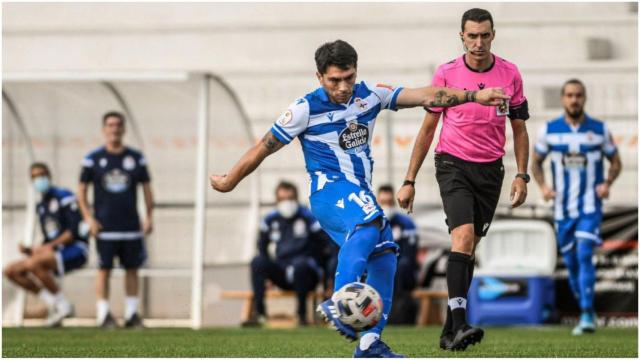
x=443, y=99
x=470, y=96
x=271, y=143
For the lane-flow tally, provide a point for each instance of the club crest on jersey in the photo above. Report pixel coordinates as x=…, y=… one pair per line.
x=299, y=228
x=354, y=137
x=275, y=235
x=481, y=86
x=115, y=181
x=285, y=118
x=53, y=206
x=103, y=162
x=129, y=163
x=360, y=103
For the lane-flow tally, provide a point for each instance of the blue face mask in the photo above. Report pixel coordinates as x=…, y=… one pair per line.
x=41, y=184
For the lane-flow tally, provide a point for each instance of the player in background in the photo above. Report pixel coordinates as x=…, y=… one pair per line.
x=405, y=235
x=334, y=124
x=64, y=248
x=577, y=144
x=468, y=161
x=296, y=235
x=115, y=170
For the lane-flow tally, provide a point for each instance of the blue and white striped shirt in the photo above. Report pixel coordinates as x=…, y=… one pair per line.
x=336, y=138
x=576, y=163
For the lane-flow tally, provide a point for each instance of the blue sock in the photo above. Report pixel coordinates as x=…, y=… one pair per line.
x=571, y=261
x=587, y=277
x=381, y=272
x=353, y=255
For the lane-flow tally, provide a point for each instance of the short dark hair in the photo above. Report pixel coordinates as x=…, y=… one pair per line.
x=115, y=114
x=573, y=81
x=285, y=185
x=476, y=15
x=385, y=188
x=338, y=53
x=40, y=165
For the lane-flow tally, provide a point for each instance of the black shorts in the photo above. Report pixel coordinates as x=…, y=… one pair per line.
x=131, y=253
x=469, y=191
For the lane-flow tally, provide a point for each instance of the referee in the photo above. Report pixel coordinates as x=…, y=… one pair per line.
x=468, y=161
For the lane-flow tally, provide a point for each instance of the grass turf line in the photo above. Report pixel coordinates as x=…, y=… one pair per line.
x=307, y=342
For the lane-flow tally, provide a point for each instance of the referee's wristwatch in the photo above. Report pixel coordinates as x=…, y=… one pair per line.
x=524, y=176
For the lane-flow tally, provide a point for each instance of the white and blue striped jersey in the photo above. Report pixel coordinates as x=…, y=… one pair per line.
x=336, y=138
x=576, y=164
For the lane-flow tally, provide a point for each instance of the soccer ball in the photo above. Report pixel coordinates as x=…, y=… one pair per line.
x=359, y=305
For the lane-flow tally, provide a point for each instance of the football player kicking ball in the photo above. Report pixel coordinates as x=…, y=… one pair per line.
x=334, y=125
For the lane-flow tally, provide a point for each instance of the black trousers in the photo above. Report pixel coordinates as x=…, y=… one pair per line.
x=299, y=274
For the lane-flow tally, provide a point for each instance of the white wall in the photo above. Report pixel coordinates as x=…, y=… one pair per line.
x=266, y=51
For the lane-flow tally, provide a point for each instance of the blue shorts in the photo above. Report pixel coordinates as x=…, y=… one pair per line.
x=585, y=228
x=341, y=206
x=131, y=253
x=71, y=257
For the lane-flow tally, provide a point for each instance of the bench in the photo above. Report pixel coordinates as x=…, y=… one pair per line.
x=429, y=314
x=247, y=296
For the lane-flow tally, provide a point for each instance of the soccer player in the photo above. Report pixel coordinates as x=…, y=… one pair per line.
x=405, y=235
x=115, y=171
x=468, y=161
x=295, y=232
x=64, y=248
x=334, y=125
x=577, y=144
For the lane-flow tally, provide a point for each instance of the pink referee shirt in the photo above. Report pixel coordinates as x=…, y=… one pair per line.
x=471, y=131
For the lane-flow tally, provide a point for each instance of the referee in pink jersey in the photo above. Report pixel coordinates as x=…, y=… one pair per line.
x=468, y=161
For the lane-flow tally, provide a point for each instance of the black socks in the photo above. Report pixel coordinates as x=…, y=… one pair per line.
x=459, y=275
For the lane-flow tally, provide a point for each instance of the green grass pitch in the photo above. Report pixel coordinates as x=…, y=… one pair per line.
x=307, y=342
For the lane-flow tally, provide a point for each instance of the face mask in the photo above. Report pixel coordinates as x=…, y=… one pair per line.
x=287, y=208
x=388, y=210
x=41, y=184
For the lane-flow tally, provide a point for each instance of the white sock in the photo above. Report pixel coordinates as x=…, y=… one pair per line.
x=367, y=339
x=130, y=306
x=102, y=309
x=48, y=298
x=61, y=301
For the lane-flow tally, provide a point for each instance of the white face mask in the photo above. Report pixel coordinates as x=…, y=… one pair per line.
x=287, y=208
x=41, y=184
x=389, y=211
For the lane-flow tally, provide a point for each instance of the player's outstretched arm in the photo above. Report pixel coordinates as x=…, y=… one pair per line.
x=247, y=163
x=407, y=192
x=432, y=96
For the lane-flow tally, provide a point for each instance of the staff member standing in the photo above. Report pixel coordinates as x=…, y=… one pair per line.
x=576, y=144
x=468, y=160
x=115, y=171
